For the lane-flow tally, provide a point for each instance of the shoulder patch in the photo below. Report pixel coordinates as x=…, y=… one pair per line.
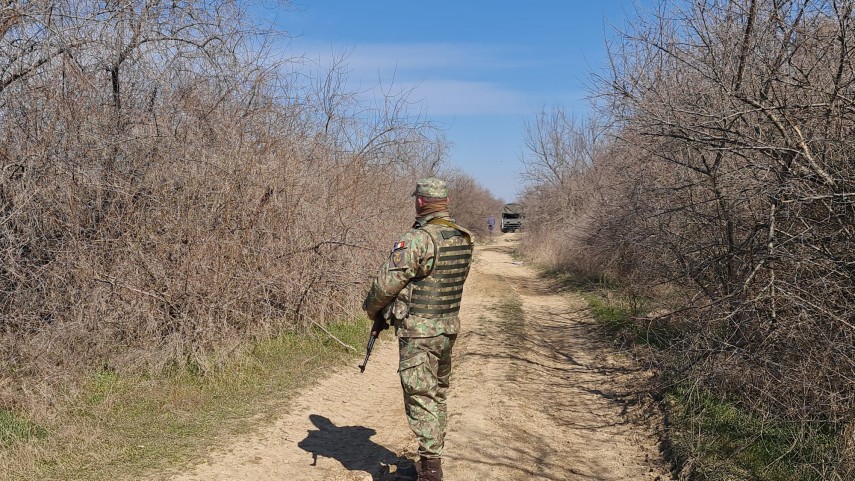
x=397, y=258
x=400, y=245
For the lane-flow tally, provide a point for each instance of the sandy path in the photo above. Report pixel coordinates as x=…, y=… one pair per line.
x=538, y=400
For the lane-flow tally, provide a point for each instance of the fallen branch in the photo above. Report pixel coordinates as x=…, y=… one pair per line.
x=328, y=333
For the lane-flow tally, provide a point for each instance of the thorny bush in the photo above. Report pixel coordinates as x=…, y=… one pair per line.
x=170, y=191
x=722, y=181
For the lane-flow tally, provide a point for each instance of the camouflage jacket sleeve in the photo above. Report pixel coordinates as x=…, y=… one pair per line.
x=411, y=257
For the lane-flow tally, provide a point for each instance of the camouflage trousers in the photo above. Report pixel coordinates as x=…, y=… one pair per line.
x=425, y=369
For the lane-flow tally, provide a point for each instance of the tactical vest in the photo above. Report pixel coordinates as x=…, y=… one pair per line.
x=438, y=295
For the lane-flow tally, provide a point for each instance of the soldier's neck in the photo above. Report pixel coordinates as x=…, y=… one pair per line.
x=422, y=220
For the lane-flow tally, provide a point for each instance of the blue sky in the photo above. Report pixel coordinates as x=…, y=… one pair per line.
x=480, y=68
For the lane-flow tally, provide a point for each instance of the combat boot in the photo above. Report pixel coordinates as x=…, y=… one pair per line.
x=405, y=471
x=429, y=469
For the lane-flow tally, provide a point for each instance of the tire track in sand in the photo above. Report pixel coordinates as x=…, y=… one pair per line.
x=543, y=400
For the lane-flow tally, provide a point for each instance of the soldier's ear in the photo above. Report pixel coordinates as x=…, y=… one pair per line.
x=420, y=201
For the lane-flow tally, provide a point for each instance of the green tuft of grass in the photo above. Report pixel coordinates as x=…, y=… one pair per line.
x=511, y=320
x=615, y=316
x=15, y=428
x=619, y=310
x=587, y=283
x=511, y=315
x=726, y=442
x=623, y=317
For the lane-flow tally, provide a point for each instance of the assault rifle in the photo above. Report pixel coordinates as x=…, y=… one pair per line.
x=379, y=325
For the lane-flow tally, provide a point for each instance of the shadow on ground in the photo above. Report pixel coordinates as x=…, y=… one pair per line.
x=352, y=447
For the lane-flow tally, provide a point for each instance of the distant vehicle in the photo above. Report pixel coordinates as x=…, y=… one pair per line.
x=512, y=217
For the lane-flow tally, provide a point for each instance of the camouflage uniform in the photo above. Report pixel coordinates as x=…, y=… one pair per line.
x=419, y=288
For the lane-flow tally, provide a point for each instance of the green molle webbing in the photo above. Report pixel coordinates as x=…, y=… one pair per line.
x=424, y=304
x=426, y=282
x=434, y=294
x=439, y=294
x=458, y=257
x=446, y=275
x=441, y=312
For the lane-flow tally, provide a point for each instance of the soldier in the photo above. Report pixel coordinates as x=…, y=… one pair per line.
x=419, y=288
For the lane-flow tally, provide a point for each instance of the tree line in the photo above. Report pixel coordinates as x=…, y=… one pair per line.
x=172, y=188
x=715, y=181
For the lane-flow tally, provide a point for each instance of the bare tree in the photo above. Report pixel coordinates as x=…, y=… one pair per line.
x=471, y=203
x=728, y=178
x=171, y=190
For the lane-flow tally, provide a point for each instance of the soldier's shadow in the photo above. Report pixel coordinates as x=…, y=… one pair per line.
x=352, y=447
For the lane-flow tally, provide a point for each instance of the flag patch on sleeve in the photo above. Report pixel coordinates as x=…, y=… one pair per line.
x=400, y=245
x=397, y=257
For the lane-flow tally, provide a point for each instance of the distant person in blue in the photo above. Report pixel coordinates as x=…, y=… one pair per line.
x=491, y=223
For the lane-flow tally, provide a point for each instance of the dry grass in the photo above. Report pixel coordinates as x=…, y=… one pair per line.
x=124, y=426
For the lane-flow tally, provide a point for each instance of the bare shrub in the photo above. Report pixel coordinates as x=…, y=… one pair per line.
x=168, y=191
x=728, y=178
x=564, y=192
x=471, y=203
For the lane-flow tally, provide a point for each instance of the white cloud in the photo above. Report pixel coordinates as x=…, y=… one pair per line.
x=437, y=74
x=459, y=97
x=371, y=58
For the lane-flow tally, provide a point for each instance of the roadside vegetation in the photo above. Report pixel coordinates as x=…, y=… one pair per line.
x=175, y=199
x=714, y=187
x=124, y=426
x=707, y=437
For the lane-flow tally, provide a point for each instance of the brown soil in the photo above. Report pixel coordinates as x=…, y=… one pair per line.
x=544, y=398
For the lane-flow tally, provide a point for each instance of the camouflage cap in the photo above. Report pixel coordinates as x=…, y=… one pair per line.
x=431, y=187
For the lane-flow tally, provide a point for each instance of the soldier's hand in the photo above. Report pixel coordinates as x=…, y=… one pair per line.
x=380, y=323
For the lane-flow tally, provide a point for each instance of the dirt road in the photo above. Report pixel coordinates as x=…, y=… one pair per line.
x=535, y=395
